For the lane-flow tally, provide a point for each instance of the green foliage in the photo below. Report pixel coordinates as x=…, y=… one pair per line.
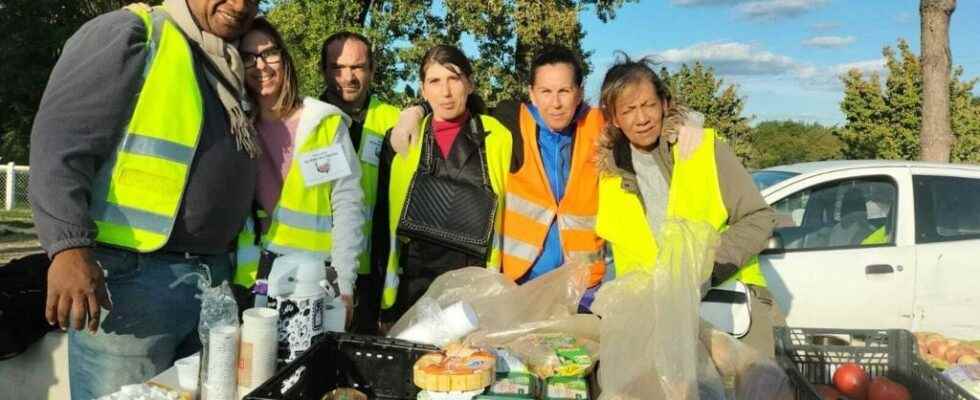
x=883, y=121
x=506, y=34
x=34, y=33
x=788, y=142
x=698, y=88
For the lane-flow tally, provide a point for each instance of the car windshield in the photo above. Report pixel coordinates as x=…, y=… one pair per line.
x=764, y=179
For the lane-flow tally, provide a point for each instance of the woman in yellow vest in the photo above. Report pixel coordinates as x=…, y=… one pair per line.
x=308, y=192
x=445, y=194
x=643, y=182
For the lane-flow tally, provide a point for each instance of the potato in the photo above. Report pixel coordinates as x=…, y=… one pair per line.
x=952, y=342
x=938, y=349
x=954, y=353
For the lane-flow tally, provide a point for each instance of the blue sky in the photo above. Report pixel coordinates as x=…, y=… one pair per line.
x=784, y=55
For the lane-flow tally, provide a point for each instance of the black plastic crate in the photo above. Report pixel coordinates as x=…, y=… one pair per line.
x=809, y=359
x=379, y=367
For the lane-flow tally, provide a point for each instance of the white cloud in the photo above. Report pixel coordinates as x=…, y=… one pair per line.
x=829, y=78
x=829, y=42
x=744, y=62
x=731, y=58
x=772, y=9
x=694, y=3
x=824, y=26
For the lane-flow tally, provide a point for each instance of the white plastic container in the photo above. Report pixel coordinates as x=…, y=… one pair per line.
x=259, y=345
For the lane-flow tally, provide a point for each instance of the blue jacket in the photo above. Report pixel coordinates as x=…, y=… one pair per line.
x=556, y=156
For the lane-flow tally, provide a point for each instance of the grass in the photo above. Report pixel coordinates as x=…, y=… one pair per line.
x=19, y=217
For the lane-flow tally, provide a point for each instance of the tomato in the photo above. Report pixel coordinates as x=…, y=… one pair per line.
x=851, y=381
x=882, y=388
x=827, y=392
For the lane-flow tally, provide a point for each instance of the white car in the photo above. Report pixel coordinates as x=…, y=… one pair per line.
x=876, y=244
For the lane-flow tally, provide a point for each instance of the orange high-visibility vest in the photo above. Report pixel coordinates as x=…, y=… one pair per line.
x=531, y=207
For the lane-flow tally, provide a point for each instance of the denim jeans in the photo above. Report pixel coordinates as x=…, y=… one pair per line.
x=150, y=324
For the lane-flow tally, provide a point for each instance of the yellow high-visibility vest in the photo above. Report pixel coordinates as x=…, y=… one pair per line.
x=380, y=118
x=498, y=143
x=136, y=194
x=303, y=219
x=695, y=194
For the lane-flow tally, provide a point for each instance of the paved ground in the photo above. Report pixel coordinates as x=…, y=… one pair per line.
x=42, y=371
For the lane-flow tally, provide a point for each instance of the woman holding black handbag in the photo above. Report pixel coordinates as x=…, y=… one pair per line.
x=445, y=195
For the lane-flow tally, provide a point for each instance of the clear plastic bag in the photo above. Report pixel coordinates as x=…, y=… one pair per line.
x=650, y=324
x=745, y=373
x=503, y=308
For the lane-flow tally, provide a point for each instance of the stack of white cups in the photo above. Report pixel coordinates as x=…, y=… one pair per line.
x=257, y=353
x=451, y=323
x=222, y=363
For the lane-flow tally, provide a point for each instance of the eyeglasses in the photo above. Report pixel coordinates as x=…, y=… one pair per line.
x=269, y=56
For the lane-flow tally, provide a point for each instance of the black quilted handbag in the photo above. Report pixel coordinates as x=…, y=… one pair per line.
x=452, y=213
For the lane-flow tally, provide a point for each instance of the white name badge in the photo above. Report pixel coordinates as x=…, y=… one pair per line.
x=372, y=149
x=324, y=165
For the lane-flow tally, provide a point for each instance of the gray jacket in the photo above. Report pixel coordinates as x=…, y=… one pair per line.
x=83, y=114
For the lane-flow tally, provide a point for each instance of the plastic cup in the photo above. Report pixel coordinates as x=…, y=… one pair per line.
x=458, y=320
x=187, y=369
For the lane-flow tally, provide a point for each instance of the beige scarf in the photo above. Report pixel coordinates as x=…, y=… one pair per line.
x=230, y=85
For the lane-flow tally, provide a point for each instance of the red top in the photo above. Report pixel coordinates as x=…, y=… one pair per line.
x=445, y=132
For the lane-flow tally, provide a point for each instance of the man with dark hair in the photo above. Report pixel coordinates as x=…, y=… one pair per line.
x=550, y=211
x=347, y=65
x=143, y=170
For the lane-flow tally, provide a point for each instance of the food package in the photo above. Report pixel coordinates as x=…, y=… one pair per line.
x=650, y=324
x=554, y=354
x=515, y=385
x=967, y=376
x=457, y=369
x=566, y=388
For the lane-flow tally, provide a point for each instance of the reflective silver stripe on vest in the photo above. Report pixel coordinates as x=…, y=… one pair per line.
x=121, y=215
x=580, y=223
x=150, y=146
x=283, y=249
x=248, y=255
x=302, y=220
x=528, y=209
x=520, y=249
x=584, y=256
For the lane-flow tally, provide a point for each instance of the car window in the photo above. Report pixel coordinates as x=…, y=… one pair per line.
x=839, y=214
x=946, y=208
x=764, y=179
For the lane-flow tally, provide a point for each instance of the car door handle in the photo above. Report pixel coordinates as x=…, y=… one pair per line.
x=879, y=269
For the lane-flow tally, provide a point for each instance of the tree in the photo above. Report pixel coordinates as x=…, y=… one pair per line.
x=788, y=142
x=506, y=34
x=34, y=33
x=936, y=138
x=885, y=121
x=698, y=88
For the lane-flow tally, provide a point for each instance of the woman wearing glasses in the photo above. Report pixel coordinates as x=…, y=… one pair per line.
x=308, y=195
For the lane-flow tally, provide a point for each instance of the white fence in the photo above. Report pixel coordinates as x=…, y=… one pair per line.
x=13, y=184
